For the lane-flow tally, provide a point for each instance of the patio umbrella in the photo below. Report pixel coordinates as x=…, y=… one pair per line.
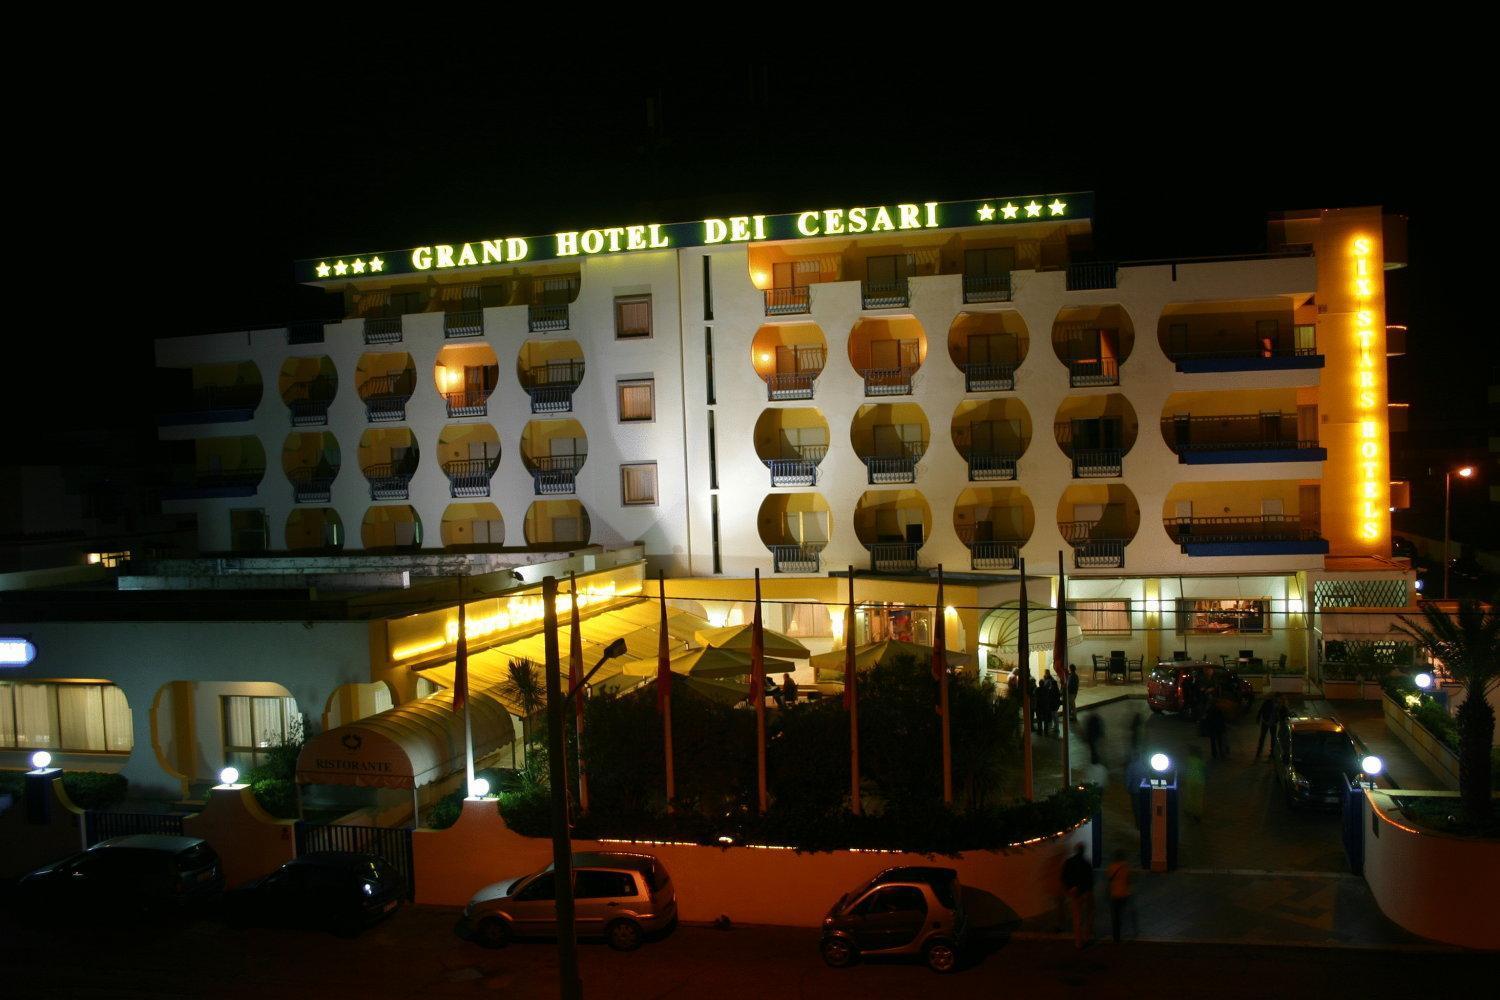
x=737, y=637
x=829, y=666
x=724, y=691
x=712, y=663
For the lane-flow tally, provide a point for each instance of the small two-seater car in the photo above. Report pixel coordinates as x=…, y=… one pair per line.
x=141, y=873
x=618, y=896
x=909, y=910
x=333, y=890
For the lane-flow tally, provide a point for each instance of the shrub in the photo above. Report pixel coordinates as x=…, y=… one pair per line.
x=277, y=796
x=87, y=789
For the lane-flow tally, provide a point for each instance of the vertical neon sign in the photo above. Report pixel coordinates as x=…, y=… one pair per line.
x=1371, y=506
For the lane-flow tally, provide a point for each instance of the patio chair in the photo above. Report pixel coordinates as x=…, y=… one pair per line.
x=1117, y=666
x=1246, y=655
x=1135, y=669
x=1100, y=667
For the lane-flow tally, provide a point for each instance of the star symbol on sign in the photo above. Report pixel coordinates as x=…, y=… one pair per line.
x=359, y=266
x=376, y=264
x=1033, y=210
x=1010, y=210
x=1057, y=206
x=324, y=269
x=986, y=213
x=340, y=268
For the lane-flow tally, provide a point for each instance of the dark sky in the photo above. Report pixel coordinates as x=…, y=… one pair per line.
x=180, y=194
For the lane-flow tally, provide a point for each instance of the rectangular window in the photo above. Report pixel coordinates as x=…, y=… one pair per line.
x=708, y=289
x=87, y=718
x=713, y=453
x=637, y=399
x=1102, y=617
x=808, y=621
x=632, y=316
x=638, y=484
x=253, y=725
x=708, y=355
x=713, y=506
x=1228, y=616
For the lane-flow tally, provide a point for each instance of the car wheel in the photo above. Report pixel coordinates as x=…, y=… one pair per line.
x=838, y=953
x=493, y=932
x=623, y=935
x=941, y=956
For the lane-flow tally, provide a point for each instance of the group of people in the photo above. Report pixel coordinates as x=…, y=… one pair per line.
x=1076, y=883
x=1047, y=698
x=786, y=694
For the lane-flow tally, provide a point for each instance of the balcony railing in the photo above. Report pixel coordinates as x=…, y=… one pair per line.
x=555, y=474
x=463, y=323
x=989, y=376
x=313, y=484
x=788, y=301
x=211, y=404
x=1251, y=357
x=893, y=557
x=1247, y=528
x=1095, y=371
x=892, y=294
x=216, y=483
x=888, y=381
x=389, y=481
x=470, y=477
x=886, y=469
x=798, y=470
x=994, y=555
x=309, y=331
x=991, y=465
x=467, y=403
x=801, y=558
x=1267, y=437
x=385, y=396
x=1091, y=551
x=546, y=317
x=551, y=387
x=1086, y=276
x=382, y=329
x=1098, y=463
x=308, y=400
x=807, y=365
x=987, y=287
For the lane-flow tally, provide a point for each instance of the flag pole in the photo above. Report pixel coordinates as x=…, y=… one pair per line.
x=664, y=687
x=461, y=688
x=1060, y=658
x=940, y=667
x=1023, y=661
x=570, y=986
x=576, y=680
x=758, y=695
x=851, y=701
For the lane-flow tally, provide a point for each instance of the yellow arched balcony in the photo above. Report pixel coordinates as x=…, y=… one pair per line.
x=224, y=392
x=307, y=386
x=1257, y=518
x=893, y=525
x=991, y=435
x=1093, y=341
x=391, y=528
x=792, y=441
x=987, y=347
x=789, y=357
x=550, y=371
x=887, y=353
x=222, y=467
x=994, y=522
x=1098, y=520
x=1096, y=433
x=554, y=452
x=1241, y=335
x=795, y=527
x=785, y=272
x=311, y=461
x=1242, y=426
x=468, y=455
x=382, y=309
x=314, y=529
x=466, y=375
x=386, y=382
x=466, y=524
x=556, y=524
x=890, y=438
x=388, y=457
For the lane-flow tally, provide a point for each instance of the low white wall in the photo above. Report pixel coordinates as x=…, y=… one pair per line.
x=1432, y=884
x=748, y=884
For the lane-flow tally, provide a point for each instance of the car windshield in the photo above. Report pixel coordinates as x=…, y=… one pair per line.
x=1323, y=748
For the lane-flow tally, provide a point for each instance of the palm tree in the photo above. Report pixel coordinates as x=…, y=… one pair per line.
x=1468, y=646
x=524, y=685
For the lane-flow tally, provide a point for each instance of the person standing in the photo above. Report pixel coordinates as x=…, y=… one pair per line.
x=1137, y=725
x=1036, y=702
x=1215, y=724
x=1267, y=719
x=1192, y=779
x=1073, y=692
x=788, y=689
x=1093, y=732
x=1282, y=714
x=1119, y=892
x=1051, y=698
x=1078, y=879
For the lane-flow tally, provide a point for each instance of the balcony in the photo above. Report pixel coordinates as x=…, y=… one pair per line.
x=389, y=480
x=308, y=400
x=1240, y=335
x=889, y=293
x=547, y=317
x=1083, y=373
x=796, y=558
x=470, y=477
x=553, y=475
x=551, y=386
x=1238, y=439
x=888, y=381
x=385, y=396
x=987, y=288
x=467, y=402
x=312, y=484
x=382, y=329
x=304, y=332
x=893, y=557
x=1083, y=277
x=994, y=554
x=887, y=469
x=214, y=484
x=989, y=376
x=991, y=465
x=1091, y=550
x=797, y=368
x=799, y=469
x=1098, y=463
x=213, y=404
x=788, y=301
x=1250, y=535
x=461, y=323
x=1248, y=360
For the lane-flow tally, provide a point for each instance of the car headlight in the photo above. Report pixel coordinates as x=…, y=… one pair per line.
x=369, y=889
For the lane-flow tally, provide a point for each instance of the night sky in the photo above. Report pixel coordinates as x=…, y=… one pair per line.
x=196, y=182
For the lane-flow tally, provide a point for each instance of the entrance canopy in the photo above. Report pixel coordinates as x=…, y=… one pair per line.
x=1001, y=628
x=408, y=746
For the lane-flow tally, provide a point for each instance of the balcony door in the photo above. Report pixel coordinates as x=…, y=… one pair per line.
x=995, y=437
x=807, y=527
x=991, y=348
x=1309, y=507
x=989, y=262
x=1267, y=335
x=784, y=274
x=887, y=270
x=897, y=440
x=798, y=442
x=1097, y=434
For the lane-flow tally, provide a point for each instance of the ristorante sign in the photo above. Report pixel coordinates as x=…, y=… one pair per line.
x=850, y=220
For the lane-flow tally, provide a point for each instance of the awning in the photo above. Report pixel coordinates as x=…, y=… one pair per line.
x=1001, y=627
x=407, y=746
x=829, y=666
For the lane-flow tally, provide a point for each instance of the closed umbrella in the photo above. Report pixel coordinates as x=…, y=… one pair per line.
x=712, y=663
x=737, y=637
x=829, y=666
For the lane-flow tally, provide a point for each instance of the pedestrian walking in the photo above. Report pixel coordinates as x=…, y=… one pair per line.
x=1137, y=734
x=1215, y=724
x=1192, y=778
x=1093, y=732
x=1051, y=698
x=1078, y=878
x=1267, y=719
x=1119, y=892
x=1073, y=692
x=1036, y=702
x=1135, y=773
x=1282, y=714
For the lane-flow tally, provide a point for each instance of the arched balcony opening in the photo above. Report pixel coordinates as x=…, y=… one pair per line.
x=388, y=458
x=887, y=354
x=1240, y=426
x=391, y=528
x=550, y=371
x=466, y=375
x=308, y=386
x=988, y=347
x=991, y=435
x=1096, y=433
x=993, y=522
x=791, y=441
x=554, y=451
x=1241, y=335
x=1098, y=520
x=795, y=527
x=789, y=357
x=386, y=382
x=1093, y=342
x=890, y=438
x=893, y=525
x=311, y=461
x=469, y=455
x=314, y=529
x=1255, y=518
x=554, y=524
x=472, y=524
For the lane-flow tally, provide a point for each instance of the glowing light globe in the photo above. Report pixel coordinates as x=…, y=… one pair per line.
x=1371, y=765
x=1160, y=762
x=1424, y=681
x=41, y=760
x=229, y=776
x=479, y=788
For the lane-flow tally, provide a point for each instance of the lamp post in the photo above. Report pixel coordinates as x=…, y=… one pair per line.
x=1463, y=473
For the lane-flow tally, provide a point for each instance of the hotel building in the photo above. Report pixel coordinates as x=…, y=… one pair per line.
x=884, y=387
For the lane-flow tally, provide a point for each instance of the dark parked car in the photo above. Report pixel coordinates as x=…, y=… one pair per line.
x=902, y=911
x=140, y=873
x=338, y=891
x=1177, y=687
x=1315, y=758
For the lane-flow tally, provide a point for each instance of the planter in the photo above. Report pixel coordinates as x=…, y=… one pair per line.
x=1341, y=690
x=1371, y=690
x=1258, y=682
x=1288, y=683
x=1433, y=752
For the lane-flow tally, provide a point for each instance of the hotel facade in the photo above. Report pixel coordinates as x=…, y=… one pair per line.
x=885, y=387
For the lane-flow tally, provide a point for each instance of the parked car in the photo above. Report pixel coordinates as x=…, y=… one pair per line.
x=618, y=896
x=1316, y=757
x=336, y=890
x=911, y=910
x=1175, y=686
x=140, y=873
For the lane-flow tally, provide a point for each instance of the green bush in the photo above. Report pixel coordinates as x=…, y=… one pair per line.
x=87, y=789
x=276, y=796
x=273, y=780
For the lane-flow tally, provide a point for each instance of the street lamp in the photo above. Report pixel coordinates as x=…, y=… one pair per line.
x=1463, y=473
x=41, y=760
x=1160, y=762
x=1369, y=769
x=1424, y=681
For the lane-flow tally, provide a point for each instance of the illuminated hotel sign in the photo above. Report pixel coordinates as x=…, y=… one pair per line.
x=851, y=220
x=1373, y=507
x=16, y=652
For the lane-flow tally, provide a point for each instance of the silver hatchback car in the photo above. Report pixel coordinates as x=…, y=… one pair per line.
x=617, y=896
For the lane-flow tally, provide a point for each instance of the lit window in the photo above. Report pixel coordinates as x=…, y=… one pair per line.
x=253, y=726
x=109, y=560
x=638, y=484
x=1230, y=616
x=1102, y=617
x=86, y=718
x=637, y=399
x=632, y=316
